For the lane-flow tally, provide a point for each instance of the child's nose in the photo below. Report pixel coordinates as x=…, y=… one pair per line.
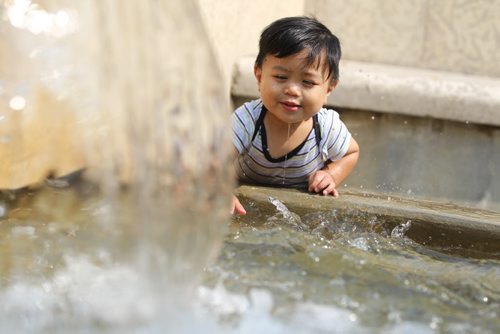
x=292, y=89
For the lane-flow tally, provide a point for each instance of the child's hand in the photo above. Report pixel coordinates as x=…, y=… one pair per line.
x=322, y=182
x=236, y=206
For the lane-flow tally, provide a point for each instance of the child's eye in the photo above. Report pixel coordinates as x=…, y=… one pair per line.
x=280, y=77
x=309, y=83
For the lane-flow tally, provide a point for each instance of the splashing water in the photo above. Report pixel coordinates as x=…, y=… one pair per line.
x=342, y=271
x=281, y=207
x=128, y=91
x=400, y=230
x=284, y=214
x=122, y=87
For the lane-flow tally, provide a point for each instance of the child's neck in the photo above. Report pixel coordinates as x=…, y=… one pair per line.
x=282, y=138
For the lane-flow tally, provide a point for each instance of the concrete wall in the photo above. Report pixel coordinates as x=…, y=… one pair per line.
x=450, y=35
x=420, y=58
x=234, y=27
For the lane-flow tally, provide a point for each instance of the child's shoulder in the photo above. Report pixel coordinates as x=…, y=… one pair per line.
x=326, y=114
x=250, y=109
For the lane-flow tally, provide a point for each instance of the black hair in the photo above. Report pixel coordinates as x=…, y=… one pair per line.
x=290, y=35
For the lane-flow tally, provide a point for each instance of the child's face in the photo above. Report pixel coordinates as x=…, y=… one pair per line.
x=291, y=92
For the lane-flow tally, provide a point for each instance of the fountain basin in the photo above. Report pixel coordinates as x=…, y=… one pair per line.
x=437, y=225
x=360, y=263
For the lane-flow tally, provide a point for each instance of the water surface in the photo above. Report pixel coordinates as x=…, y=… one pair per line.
x=324, y=270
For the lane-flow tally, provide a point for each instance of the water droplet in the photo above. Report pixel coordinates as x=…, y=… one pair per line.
x=400, y=230
x=353, y=317
x=485, y=299
x=17, y=103
x=435, y=322
x=373, y=117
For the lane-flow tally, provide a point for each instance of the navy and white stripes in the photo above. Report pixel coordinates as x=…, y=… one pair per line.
x=253, y=165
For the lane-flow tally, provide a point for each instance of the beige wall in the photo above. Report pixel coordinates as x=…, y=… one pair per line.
x=449, y=35
x=234, y=27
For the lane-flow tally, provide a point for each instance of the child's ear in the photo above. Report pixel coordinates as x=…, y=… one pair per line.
x=257, y=71
x=331, y=87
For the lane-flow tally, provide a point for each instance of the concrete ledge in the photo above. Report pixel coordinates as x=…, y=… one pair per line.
x=435, y=224
x=436, y=212
x=401, y=90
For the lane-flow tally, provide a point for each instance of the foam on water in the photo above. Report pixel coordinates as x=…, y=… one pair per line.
x=117, y=299
x=79, y=294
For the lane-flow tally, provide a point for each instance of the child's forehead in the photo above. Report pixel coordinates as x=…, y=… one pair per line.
x=300, y=61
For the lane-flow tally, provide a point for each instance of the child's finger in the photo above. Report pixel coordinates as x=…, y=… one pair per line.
x=240, y=210
x=312, y=181
x=316, y=184
x=323, y=184
x=330, y=189
x=237, y=207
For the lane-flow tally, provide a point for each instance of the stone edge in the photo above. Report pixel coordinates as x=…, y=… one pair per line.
x=472, y=220
x=400, y=90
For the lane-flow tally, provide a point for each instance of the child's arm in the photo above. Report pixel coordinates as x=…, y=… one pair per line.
x=329, y=177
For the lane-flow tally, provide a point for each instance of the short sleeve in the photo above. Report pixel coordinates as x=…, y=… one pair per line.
x=335, y=137
x=243, y=124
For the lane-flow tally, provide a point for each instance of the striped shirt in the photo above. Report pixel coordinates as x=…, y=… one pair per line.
x=254, y=163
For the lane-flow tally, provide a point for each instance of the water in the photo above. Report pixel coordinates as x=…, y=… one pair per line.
x=328, y=271
x=66, y=267
x=130, y=91
x=126, y=98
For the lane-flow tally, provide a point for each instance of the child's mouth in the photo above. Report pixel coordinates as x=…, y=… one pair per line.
x=290, y=106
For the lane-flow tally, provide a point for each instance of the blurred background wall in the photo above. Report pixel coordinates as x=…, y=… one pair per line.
x=450, y=35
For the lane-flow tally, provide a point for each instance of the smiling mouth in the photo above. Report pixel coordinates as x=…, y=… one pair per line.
x=289, y=106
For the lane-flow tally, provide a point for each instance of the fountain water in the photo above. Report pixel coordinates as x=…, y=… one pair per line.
x=130, y=91
x=127, y=95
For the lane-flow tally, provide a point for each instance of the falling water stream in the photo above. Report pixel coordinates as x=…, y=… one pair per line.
x=125, y=97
